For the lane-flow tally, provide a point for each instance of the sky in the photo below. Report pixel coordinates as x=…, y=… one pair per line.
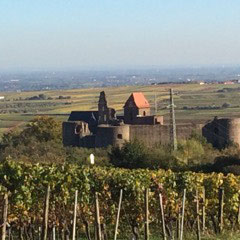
x=77, y=34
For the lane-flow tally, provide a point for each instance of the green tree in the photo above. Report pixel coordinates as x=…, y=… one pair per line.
x=189, y=151
x=44, y=129
x=35, y=152
x=40, y=141
x=131, y=155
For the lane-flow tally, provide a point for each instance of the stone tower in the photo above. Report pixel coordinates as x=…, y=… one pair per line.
x=136, y=105
x=105, y=114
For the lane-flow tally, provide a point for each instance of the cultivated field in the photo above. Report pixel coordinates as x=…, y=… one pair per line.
x=193, y=102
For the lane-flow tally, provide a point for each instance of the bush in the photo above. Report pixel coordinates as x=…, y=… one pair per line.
x=42, y=128
x=226, y=105
x=189, y=152
x=136, y=155
x=81, y=156
x=35, y=152
x=131, y=155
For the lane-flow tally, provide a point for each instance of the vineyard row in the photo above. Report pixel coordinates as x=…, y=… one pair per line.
x=207, y=203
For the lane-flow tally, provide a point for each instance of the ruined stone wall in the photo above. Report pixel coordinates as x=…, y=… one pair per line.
x=223, y=131
x=150, y=134
x=116, y=135
x=129, y=114
x=70, y=138
x=144, y=111
x=148, y=120
x=234, y=130
x=87, y=141
x=132, y=113
x=75, y=133
x=111, y=135
x=156, y=134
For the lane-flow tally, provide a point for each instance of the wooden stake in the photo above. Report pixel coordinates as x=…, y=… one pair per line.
x=97, y=218
x=238, y=216
x=9, y=234
x=162, y=217
x=45, y=216
x=39, y=233
x=179, y=224
x=146, y=215
x=204, y=211
x=118, y=215
x=220, y=209
x=75, y=215
x=198, y=217
x=4, y=217
x=183, y=209
x=87, y=230
x=54, y=233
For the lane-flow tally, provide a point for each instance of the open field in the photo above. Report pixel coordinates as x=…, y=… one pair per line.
x=189, y=98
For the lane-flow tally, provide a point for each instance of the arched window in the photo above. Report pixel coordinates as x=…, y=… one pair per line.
x=78, y=129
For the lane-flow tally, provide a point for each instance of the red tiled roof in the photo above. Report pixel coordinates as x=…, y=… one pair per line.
x=138, y=99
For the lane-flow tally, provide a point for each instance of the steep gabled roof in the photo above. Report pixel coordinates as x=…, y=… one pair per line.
x=138, y=99
x=89, y=117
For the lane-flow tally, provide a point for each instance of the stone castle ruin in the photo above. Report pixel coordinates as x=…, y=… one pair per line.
x=104, y=127
x=222, y=131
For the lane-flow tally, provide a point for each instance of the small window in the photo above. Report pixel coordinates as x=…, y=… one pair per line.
x=144, y=113
x=119, y=136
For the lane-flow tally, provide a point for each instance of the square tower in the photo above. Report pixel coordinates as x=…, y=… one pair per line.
x=136, y=105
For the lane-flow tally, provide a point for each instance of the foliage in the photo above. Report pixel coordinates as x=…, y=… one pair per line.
x=192, y=152
x=39, y=97
x=41, y=142
x=35, y=152
x=198, y=137
x=80, y=156
x=131, y=155
x=27, y=185
x=189, y=151
x=226, y=105
x=43, y=129
x=135, y=154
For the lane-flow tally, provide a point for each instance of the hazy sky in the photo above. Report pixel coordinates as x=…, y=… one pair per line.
x=80, y=33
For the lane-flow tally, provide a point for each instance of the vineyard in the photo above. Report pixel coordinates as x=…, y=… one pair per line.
x=41, y=202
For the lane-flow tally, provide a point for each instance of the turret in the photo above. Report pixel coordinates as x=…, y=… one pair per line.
x=105, y=114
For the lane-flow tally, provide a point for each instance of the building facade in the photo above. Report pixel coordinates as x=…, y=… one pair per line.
x=103, y=127
x=221, y=132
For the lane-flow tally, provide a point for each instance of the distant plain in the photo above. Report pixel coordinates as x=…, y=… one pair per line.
x=194, y=102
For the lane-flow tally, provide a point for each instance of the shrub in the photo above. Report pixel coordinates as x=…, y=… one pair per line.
x=226, y=105
x=189, y=151
x=131, y=155
x=80, y=156
x=136, y=155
